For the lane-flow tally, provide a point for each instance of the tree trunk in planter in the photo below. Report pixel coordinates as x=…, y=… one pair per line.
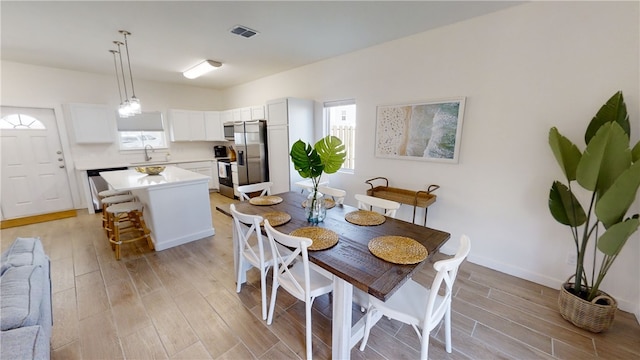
x=595, y=316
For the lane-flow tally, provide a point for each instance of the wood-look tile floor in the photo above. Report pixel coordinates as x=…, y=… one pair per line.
x=181, y=303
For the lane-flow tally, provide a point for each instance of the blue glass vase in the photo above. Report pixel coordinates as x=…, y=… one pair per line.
x=316, y=209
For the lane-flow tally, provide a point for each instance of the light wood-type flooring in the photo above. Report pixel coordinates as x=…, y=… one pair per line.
x=181, y=303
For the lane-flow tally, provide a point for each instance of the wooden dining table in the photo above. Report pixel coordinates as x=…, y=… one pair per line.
x=349, y=262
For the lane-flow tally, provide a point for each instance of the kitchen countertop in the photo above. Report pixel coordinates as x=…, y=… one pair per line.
x=84, y=165
x=131, y=179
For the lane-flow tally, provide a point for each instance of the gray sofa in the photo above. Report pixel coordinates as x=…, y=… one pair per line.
x=25, y=301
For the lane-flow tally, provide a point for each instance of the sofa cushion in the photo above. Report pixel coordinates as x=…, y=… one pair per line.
x=23, y=251
x=25, y=343
x=22, y=290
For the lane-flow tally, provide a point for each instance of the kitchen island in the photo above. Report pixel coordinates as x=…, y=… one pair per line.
x=176, y=203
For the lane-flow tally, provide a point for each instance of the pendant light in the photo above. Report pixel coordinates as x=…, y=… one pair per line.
x=128, y=107
x=115, y=65
x=124, y=109
x=134, y=102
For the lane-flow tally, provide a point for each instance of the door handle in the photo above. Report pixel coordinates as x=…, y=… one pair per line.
x=58, y=152
x=60, y=159
x=61, y=166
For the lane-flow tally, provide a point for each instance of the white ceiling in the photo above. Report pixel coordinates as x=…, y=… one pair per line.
x=168, y=37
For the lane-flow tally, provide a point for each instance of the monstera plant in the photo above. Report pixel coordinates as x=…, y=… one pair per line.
x=607, y=173
x=326, y=156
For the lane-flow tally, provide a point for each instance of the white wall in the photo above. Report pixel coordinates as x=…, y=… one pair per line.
x=522, y=70
x=35, y=86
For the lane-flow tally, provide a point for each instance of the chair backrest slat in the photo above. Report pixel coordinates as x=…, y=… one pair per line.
x=298, y=245
x=338, y=195
x=447, y=271
x=247, y=228
x=245, y=190
x=389, y=207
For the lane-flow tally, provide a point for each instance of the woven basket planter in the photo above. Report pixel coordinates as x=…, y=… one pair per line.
x=584, y=314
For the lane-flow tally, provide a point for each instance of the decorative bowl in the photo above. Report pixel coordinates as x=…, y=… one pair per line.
x=150, y=170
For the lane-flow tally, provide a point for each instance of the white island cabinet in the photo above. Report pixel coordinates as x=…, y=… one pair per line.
x=176, y=202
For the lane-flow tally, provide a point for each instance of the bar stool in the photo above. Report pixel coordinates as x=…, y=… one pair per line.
x=125, y=218
x=112, y=192
x=110, y=200
x=108, y=193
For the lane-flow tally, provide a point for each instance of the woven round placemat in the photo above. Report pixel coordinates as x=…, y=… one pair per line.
x=276, y=218
x=322, y=238
x=265, y=200
x=398, y=249
x=365, y=217
x=328, y=203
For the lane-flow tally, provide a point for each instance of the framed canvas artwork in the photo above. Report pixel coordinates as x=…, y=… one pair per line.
x=428, y=131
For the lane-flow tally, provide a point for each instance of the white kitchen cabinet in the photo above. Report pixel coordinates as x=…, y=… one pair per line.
x=92, y=123
x=257, y=113
x=234, y=178
x=204, y=168
x=187, y=125
x=237, y=115
x=288, y=120
x=213, y=126
x=277, y=112
x=246, y=114
x=226, y=116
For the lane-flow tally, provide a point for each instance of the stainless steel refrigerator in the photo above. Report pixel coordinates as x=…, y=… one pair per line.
x=250, y=139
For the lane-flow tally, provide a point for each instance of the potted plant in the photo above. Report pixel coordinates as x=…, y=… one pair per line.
x=608, y=175
x=326, y=156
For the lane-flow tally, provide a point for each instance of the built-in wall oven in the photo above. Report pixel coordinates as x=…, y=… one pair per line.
x=225, y=177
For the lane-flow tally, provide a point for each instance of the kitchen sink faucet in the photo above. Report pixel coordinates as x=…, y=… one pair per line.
x=146, y=154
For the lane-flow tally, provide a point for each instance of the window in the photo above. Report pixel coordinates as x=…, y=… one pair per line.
x=133, y=140
x=136, y=132
x=20, y=122
x=340, y=119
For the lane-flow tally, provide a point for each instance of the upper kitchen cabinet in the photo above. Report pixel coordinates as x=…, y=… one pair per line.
x=242, y=114
x=257, y=113
x=278, y=112
x=213, y=126
x=187, y=125
x=92, y=123
x=247, y=114
x=226, y=116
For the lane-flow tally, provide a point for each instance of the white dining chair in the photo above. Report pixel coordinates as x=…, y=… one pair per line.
x=307, y=184
x=420, y=307
x=251, y=248
x=338, y=195
x=295, y=276
x=389, y=207
x=263, y=187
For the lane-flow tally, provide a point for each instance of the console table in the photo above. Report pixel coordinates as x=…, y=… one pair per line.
x=418, y=198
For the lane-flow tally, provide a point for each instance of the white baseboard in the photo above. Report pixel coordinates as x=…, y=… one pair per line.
x=623, y=304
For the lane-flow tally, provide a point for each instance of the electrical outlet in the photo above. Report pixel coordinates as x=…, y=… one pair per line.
x=571, y=258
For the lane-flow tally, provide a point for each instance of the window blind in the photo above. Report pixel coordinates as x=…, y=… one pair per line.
x=147, y=121
x=339, y=103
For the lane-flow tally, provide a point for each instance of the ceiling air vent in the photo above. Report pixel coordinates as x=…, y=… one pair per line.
x=243, y=31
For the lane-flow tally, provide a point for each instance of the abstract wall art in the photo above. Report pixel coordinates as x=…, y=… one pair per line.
x=428, y=131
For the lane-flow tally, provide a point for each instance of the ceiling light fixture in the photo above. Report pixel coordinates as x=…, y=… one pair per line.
x=201, y=69
x=128, y=107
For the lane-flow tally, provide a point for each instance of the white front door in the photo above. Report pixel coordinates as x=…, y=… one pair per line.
x=34, y=179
